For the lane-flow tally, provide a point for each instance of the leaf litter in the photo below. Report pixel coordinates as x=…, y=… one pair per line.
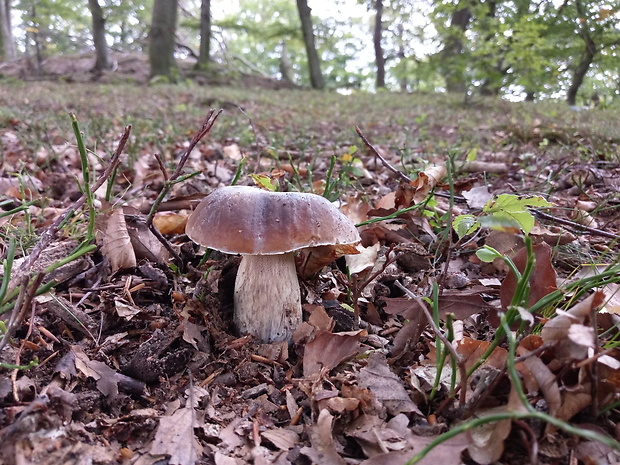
x=138, y=361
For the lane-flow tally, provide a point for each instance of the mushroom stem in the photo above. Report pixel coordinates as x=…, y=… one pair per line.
x=267, y=297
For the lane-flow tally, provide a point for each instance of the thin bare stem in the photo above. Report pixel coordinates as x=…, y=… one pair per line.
x=443, y=338
x=402, y=176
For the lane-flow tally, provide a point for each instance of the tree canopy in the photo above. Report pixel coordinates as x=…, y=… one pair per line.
x=518, y=49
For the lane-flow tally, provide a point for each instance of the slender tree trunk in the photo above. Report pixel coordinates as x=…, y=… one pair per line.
x=403, y=79
x=587, y=57
x=378, y=32
x=162, y=38
x=305, y=15
x=7, y=43
x=286, y=67
x=34, y=41
x=205, y=35
x=101, y=46
x=453, y=64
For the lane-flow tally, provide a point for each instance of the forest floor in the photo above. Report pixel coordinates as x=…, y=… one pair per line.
x=129, y=355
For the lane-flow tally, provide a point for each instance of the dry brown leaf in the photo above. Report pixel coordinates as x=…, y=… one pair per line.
x=328, y=350
x=542, y=280
x=144, y=242
x=170, y=223
x=386, y=386
x=106, y=377
x=114, y=240
x=556, y=331
x=282, y=438
x=175, y=437
x=472, y=350
x=315, y=258
x=323, y=449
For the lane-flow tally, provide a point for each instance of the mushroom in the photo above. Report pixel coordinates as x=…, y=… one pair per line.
x=267, y=228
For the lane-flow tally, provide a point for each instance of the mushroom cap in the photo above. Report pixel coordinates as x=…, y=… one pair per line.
x=251, y=221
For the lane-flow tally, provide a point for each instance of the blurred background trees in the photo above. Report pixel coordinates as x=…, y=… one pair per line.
x=517, y=49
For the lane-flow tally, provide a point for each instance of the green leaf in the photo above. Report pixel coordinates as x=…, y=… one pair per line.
x=264, y=182
x=465, y=224
x=488, y=254
x=508, y=211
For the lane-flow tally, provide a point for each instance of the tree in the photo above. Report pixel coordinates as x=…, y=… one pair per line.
x=162, y=38
x=586, y=58
x=204, y=54
x=378, y=32
x=102, y=61
x=305, y=15
x=7, y=43
x=453, y=61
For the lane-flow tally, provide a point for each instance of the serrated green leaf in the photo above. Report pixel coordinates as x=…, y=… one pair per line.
x=465, y=224
x=509, y=208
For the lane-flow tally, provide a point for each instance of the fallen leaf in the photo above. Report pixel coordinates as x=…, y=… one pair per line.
x=386, y=386
x=328, y=350
x=542, y=280
x=114, y=240
x=323, y=449
x=175, y=437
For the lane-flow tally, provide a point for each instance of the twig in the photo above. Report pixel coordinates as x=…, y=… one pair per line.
x=402, y=176
x=440, y=335
x=50, y=232
x=204, y=130
x=573, y=224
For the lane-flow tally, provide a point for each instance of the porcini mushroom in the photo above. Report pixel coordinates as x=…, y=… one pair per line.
x=267, y=228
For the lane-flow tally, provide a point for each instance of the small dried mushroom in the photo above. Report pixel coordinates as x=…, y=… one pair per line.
x=266, y=228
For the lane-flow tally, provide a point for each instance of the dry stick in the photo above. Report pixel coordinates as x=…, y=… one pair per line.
x=204, y=130
x=50, y=232
x=580, y=227
x=459, y=362
x=402, y=176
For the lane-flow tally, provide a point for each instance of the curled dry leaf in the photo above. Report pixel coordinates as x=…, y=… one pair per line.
x=114, y=240
x=556, y=331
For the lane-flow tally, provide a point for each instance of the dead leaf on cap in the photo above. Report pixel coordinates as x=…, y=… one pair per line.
x=114, y=240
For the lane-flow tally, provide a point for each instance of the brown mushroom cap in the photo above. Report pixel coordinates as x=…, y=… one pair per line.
x=252, y=221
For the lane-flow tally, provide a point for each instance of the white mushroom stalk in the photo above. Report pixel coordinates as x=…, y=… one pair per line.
x=266, y=228
x=267, y=297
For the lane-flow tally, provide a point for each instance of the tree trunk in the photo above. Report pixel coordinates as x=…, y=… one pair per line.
x=587, y=57
x=286, y=67
x=379, y=57
x=316, y=76
x=162, y=38
x=7, y=43
x=205, y=35
x=101, y=46
x=451, y=56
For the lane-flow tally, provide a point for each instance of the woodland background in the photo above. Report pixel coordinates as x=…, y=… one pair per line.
x=521, y=49
x=478, y=325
